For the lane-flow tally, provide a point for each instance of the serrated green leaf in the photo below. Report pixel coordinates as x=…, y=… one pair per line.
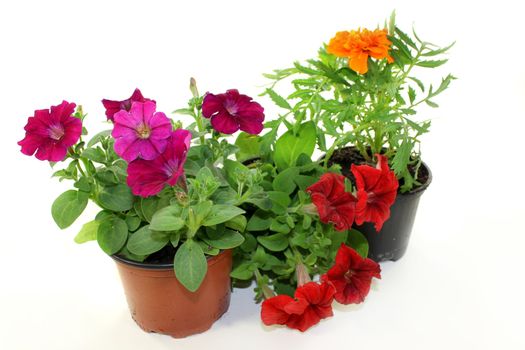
x=431, y=64
x=278, y=99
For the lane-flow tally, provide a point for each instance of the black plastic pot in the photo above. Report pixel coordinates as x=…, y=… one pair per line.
x=392, y=241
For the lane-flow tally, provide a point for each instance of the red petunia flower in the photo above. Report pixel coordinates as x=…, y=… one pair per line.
x=232, y=111
x=113, y=107
x=148, y=177
x=313, y=302
x=351, y=276
x=51, y=132
x=332, y=202
x=376, y=192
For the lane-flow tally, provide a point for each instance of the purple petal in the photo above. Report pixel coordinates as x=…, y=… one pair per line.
x=224, y=123
x=160, y=126
x=253, y=127
x=148, y=109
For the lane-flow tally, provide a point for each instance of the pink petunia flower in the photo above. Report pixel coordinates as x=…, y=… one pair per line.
x=232, y=111
x=113, y=107
x=51, y=132
x=148, y=177
x=141, y=132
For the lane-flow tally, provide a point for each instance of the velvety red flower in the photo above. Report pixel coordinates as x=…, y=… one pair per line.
x=141, y=132
x=148, y=177
x=232, y=111
x=333, y=203
x=50, y=133
x=376, y=192
x=313, y=302
x=113, y=107
x=351, y=276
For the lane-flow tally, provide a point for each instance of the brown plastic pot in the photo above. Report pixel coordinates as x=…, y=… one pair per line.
x=159, y=303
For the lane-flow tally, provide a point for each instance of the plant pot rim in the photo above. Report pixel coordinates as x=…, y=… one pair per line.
x=415, y=190
x=164, y=267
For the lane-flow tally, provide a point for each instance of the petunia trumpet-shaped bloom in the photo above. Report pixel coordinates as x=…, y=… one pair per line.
x=358, y=45
x=50, y=133
x=312, y=302
x=141, y=132
x=148, y=177
x=376, y=192
x=232, y=111
x=333, y=203
x=113, y=107
x=351, y=276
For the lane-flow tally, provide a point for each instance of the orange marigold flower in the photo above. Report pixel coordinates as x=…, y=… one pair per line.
x=358, y=45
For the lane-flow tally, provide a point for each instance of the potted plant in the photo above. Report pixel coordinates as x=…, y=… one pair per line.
x=162, y=216
x=362, y=93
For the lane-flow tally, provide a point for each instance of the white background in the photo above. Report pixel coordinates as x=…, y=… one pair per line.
x=461, y=284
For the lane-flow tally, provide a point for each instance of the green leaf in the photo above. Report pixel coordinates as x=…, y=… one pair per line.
x=284, y=182
x=431, y=64
x=68, y=207
x=88, y=232
x=431, y=104
x=260, y=221
x=233, y=169
x=112, y=234
x=116, y=198
x=290, y=146
x=392, y=23
x=83, y=184
x=174, y=239
x=358, y=241
x=145, y=241
x=167, y=219
x=438, y=51
x=419, y=83
x=96, y=155
x=401, y=158
x=411, y=94
x=276, y=243
x=249, y=146
x=190, y=265
x=98, y=138
x=133, y=222
x=244, y=271
x=149, y=206
x=221, y=213
x=228, y=239
x=238, y=223
x=278, y=99
x=249, y=243
x=406, y=39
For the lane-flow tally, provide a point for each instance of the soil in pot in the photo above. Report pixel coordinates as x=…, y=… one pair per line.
x=159, y=303
x=392, y=241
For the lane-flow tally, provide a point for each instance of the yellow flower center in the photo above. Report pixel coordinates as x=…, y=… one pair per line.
x=143, y=131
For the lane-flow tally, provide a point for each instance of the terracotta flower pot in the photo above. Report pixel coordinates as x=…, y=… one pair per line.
x=159, y=303
x=391, y=242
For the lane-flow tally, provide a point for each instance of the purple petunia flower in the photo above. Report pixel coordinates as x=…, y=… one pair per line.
x=141, y=132
x=51, y=132
x=113, y=107
x=232, y=111
x=148, y=177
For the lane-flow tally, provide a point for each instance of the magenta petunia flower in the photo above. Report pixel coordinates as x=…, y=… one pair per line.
x=141, y=132
x=232, y=111
x=51, y=132
x=113, y=107
x=148, y=177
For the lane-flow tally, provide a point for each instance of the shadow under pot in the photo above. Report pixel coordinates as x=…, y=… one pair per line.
x=159, y=303
x=391, y=242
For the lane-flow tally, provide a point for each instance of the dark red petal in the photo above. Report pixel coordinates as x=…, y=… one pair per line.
x=212, y=104
x=272, y=310
x=302, y=322
x=224, y=123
